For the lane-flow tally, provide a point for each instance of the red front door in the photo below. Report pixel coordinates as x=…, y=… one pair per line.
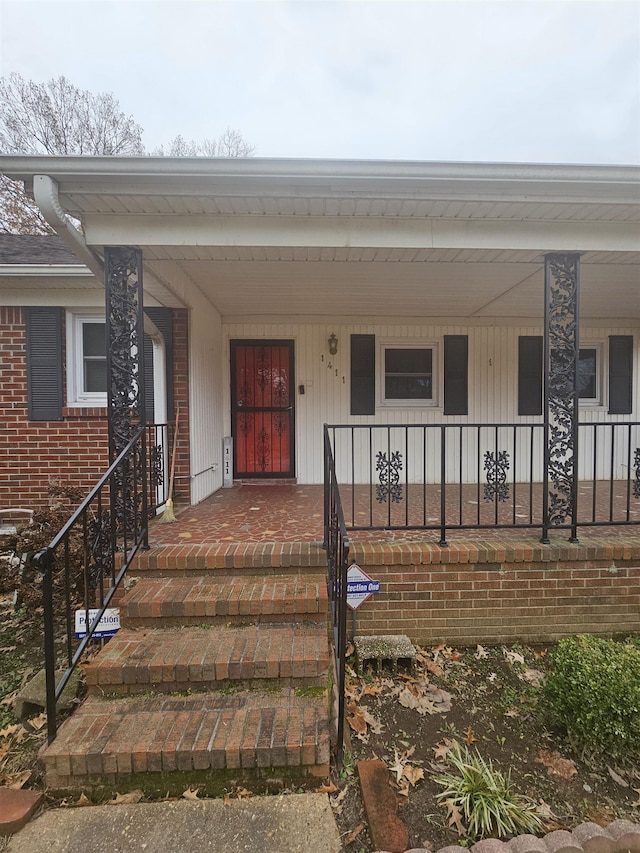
x=262, y=408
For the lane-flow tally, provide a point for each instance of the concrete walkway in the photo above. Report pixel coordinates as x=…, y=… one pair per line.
x=296, y=823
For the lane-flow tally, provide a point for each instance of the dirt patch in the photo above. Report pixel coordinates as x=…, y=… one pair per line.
x=486, y=699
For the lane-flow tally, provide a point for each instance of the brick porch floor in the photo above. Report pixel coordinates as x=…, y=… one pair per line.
x=294, y=514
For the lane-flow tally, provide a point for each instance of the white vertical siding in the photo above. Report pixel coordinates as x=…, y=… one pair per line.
x=493, y=381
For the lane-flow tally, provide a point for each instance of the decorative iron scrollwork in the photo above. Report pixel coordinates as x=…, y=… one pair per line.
x=636, y=464
x=123, y=284
x=156, y=466
x=562, y=384
x=389, y=487
x=496, y=468
x=263, y=449
x=280, y=422
x=100, y=549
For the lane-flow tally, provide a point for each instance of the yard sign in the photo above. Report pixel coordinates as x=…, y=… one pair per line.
x=359, y=586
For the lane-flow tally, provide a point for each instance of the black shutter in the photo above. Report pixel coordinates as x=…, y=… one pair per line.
x=45, y=388
x=363, y=374
x=530, y=358
x=456, y=375
x=163, y=320
x=620, y=374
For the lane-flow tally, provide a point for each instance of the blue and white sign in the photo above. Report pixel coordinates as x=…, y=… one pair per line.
x=106, y=627
x=359, y=586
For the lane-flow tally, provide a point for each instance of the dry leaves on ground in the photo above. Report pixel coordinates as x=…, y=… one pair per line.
x=128, y=799
x=454, y=817
x=556, y=765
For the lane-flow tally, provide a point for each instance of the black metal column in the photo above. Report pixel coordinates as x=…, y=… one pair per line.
x=561, y=359
x=125, y=379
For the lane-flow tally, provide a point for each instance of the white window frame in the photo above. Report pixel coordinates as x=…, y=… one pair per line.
x=599, y=400
x=435, y=374
x=76, y=396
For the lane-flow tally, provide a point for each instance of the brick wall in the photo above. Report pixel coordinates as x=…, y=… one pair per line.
x=182, y=487
x=74, y=450
x=470, y=595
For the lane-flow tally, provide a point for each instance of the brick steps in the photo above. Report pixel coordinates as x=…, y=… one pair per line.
x=205, y=738
x=231, y=558
x=217, y=677
x=169, y=660
x=199, y=601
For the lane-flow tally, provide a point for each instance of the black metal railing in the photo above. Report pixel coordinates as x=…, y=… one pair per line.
x=86, y=561
x=480, y=476
x=336, y=542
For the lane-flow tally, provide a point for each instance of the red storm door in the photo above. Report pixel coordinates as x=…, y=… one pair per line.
x=262, y=408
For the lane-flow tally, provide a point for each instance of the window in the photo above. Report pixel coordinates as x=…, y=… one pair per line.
x=589, y=375
x=86, y=360
x=409, y=375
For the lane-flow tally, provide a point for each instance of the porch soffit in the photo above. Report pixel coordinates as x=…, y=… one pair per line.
x=454, y=290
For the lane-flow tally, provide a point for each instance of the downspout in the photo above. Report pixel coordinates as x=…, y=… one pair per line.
x=45, y=193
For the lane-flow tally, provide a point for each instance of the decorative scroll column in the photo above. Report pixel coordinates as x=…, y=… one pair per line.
x=561, y=359
x=125, y=381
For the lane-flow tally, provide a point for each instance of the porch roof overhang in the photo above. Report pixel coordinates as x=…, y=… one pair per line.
x=324, y=237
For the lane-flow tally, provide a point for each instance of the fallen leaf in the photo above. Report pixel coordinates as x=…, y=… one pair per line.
x=336, y=802
x=191, y=794
x=398, y=766
x=469, y=737
x=127, y=799
x=433, y=668
x=533, y=676
x=481, y=653
x=373, y=722
x=243, y=793
x=513, y=657
x=349, y=649
x=8, y=649
x=19, y=780
x=412, y=774
x=83, y=800
x=556, y=765
x=372, y=690
x=454, y=817
x=636, y=805
x=602, y=817
x=617, y=779
x=327, y=788
x=357, y=721
x=542, y=653
x=351, y=836
x=9, y=730
x=37, y=723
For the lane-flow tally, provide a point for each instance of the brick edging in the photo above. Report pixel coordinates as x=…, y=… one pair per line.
x=618, y=837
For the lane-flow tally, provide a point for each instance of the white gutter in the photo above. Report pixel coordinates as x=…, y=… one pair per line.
x=246, y=176
x=48, y=270
x=45, y=193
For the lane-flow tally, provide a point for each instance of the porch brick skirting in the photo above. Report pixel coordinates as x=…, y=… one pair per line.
x=469, y=592
x=487, y=593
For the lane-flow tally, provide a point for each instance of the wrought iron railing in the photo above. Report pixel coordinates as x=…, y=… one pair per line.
x=86, y=561
x=482, y=476
x=336, y=542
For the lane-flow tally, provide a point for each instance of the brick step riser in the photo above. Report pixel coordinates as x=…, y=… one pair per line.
x=190, y=686
x=168, y=744
x=196, y=570
x=235, y=620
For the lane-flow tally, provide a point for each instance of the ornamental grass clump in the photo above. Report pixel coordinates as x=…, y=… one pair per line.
x=480, y=797
x=592, y=693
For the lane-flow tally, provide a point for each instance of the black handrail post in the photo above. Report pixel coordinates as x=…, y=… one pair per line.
x=443, y=496
x=44, y=561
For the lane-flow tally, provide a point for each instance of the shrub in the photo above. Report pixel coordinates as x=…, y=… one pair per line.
x=484, y=797
x=593, y=693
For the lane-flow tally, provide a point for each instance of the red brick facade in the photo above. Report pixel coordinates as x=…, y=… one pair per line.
x=74, y=450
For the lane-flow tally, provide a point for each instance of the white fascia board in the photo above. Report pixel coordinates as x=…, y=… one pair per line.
x=362, y=232
x=359, y=178
x=49, y=270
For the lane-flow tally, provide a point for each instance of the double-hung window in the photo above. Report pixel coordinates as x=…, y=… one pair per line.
x=86, y=360
x=409, y=375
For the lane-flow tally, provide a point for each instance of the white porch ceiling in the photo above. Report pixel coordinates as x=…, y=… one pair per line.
x=478, y=289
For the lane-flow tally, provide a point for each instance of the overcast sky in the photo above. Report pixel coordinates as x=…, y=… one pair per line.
x=512, y=80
